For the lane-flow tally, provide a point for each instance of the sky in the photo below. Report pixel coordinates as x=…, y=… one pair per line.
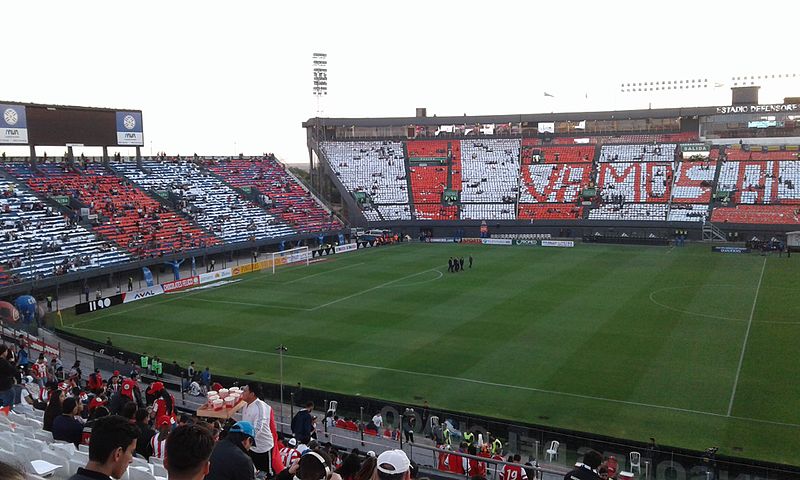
x=218, y=78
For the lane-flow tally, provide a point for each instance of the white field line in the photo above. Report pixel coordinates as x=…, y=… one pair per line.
x=746, y=337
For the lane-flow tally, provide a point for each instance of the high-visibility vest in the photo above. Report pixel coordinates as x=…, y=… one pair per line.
x=497, y=446
x=144, y=360
x=469, y=437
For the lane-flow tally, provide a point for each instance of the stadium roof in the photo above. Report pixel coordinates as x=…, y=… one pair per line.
x=515, y=118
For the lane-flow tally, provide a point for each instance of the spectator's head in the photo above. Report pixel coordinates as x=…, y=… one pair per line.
x=310, y=406
x=129, y=410
x=592, y=459
x=314, y=465
x=187, y=452
x=141, y=415
x=602, y=472
x=367, y=470
x=251, y=392
x=100, y=412
x=112, y=446
x=9, y=472
x=517, y=457
x=350, y=465
x=184, y=419
x=163, y=424
x=394, y=465
x=70, y=406
x=242, y=433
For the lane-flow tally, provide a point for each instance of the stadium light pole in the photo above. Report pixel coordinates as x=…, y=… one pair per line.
x=281, y=348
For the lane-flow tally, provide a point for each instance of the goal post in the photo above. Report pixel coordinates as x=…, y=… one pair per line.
x=290, y=257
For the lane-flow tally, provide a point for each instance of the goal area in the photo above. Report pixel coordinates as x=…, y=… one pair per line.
x=290, y=257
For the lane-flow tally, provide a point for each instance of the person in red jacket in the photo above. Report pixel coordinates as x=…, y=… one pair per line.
x=95, y=382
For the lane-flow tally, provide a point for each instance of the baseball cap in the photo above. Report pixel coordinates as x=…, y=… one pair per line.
x=245, y=428
x=292, y=442
x=155, y=387
x=163, y=420
x=127, y=388
x=116, y=373
x=393, y=461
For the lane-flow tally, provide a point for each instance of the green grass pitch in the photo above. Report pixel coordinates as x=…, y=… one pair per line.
x=688, y=346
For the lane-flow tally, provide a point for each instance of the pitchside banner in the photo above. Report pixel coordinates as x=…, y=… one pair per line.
x=129, y=128
x=100, y=304
x=558, y=243
x=13, y=124
x=142, y=293
x=730, y=250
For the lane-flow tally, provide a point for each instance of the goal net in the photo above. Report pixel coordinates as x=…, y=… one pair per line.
x=289, y=257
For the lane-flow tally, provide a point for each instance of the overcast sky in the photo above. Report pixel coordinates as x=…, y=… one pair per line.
x=234, y=76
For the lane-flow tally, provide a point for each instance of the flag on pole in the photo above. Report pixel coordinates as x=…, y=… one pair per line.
x=548, y=94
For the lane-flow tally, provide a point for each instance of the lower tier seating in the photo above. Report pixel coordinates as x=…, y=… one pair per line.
x=376, y=168
x=630, y=211
x=36, y=241
x=757, y=214
x=488, y=211
x=490, y=169
x=693, y=182
x=435, y=212
x=635, y=182
x=554, y=182
x=428, y=183
x=550, y=211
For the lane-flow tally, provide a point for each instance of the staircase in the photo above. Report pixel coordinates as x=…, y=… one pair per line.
x=713, y=234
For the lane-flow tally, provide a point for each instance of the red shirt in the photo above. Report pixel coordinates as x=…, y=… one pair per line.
x=513, y=472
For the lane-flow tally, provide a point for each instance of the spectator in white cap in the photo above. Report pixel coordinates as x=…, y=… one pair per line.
x=394, y=465
x=289, y=453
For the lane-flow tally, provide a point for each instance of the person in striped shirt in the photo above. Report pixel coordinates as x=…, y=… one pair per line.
x=159, y=441
x=289, y=453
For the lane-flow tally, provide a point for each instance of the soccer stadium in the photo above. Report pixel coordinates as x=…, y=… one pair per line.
x=577, y=293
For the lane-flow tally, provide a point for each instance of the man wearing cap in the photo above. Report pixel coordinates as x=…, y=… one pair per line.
x=158, y=442
x=393, y=465
x=229, y=460
x=261, y=416
x=289, y=453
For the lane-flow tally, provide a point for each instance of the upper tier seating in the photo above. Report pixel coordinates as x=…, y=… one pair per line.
x=208, y=200
x=561, y=183
x=633, y=138
x=577, y=154
x=761, y=182
x=693, y=182
x=377, y=168
x=427, y=149
x=135, y=221
x=435, y=212
x=663, y=152
x=635, y=182
x=488, y=211
x=455, y=167
x=550, y=211
x=292, y=203
x=490, y=170
x=35, y=241
x=428, y=183
x=757, y=214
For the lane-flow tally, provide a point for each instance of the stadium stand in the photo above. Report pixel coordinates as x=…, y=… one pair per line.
x=554, y=183
x=757, y=214
x=693, y=182
x=455, y=167
x=128, y=217
x=662, y=152
x=435, y=212
x=376, y=168
x=428, y=183
x=736, y=154
x=636, y=182
x=548, y=211
x=630, y=211
x=761, y=182
x=685, y=212
x=488, y=211
x=208, y=200
x=290, y=201
x=39, y=242
x=490, y=171
x=576, y=154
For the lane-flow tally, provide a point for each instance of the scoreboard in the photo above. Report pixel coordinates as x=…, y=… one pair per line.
x=56, y=125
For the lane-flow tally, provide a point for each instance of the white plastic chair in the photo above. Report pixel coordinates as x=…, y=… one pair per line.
x=636, y=462
x=159, y=470
x=552, y=452
x=139, y=473
x=43, y=467
x=332, y=405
